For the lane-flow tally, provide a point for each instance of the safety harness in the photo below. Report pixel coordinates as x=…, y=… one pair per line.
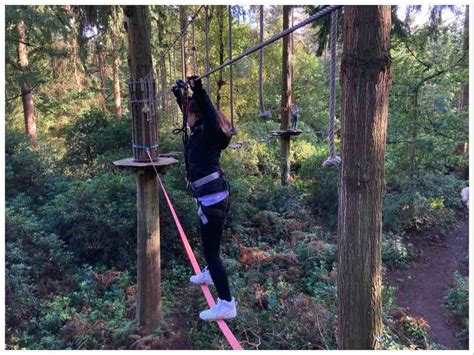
x=209, y=200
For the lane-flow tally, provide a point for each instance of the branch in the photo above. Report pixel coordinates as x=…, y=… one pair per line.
x=439, y=72
x=398, y=142
x=25, y=43
x=25, y=93
x=426, y=65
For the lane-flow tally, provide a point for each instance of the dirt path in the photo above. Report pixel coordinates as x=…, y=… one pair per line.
x=423, y=285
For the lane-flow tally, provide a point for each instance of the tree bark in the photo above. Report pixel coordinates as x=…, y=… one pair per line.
x=286, y=97
x=149, y=308
x=183, y=20
x=101, y=57
x=75, y=52
x=75, y=56
x=116, y=64
x=220, y=80
x=163, y=76
x=414, y=132
x=366, y=78
x=26, y=94
x=463, y=147
x=464, y=97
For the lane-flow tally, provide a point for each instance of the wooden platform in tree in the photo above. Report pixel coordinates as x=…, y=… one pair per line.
x=161, y=164
x=285, y=133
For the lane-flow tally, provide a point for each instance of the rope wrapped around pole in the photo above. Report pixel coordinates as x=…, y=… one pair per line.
x=231, y=81
x=333, y=158
x=263, y=113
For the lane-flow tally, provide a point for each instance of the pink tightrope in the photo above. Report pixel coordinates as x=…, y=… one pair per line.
x=233, y=342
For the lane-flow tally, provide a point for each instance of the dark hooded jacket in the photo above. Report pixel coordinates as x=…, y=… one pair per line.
x=204, y=146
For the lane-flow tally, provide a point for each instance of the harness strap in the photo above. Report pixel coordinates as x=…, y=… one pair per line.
x=214, y=198
x=202, y=181
x=201, y=215
x=209, y=200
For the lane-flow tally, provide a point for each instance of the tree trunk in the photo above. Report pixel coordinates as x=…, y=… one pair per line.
x=183, y=20
x=26, y=94
x=74, y=35
x=75, y=58
x=463, y=148
x=163, y=76
x=366, y=78
x=149, y=309
x=101, y=56
x=220, y=80
x=116, y=64
x=464, y=97
x=292, y=51
x=286, y=97
x=414, y=132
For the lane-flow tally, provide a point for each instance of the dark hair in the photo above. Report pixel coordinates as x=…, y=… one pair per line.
x=194, y=107
x=223, y=121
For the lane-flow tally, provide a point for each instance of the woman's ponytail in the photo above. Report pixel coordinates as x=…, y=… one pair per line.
x=224, y=124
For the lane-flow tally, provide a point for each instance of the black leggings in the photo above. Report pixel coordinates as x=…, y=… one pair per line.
x=211, y=234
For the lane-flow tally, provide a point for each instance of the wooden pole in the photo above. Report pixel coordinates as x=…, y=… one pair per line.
x=140, y=64
x=149, y=311
x=365, y=79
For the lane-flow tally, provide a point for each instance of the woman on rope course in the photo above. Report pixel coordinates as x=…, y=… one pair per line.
x=210, y=134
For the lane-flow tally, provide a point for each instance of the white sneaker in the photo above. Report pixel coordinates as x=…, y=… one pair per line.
x=203, y=278
x=221, y=310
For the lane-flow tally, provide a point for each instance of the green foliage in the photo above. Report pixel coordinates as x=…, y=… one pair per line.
x=403, y=332
x=323, y=190
x=457, y=303
x=96, y=218
x=27, y=169
x=94, y=315
x=93, y=141
x=35, y=264
x=424, y=205
x=394, y=251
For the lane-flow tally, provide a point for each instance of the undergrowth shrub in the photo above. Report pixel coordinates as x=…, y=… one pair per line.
x=94, y=141
x=395, y=254
x=323, y=189
x=424, y=206
x=96, y=218
x=94, y=315
x=28, y=169
x=457, y=303
x=34, y=264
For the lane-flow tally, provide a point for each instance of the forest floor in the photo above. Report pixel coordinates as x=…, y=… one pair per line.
x=422, y=286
